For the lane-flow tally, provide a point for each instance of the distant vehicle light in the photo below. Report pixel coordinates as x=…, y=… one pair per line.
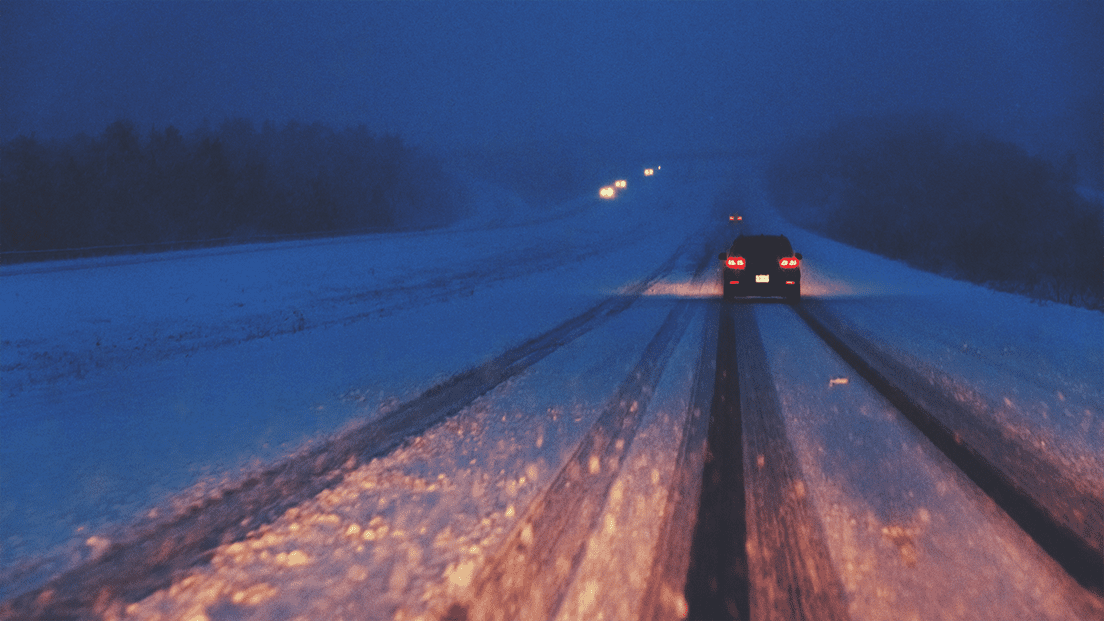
x=607, y=192
x=736, y=263
x=788, y=263
x=620, y=183
x=648, y=172
x=731, y=218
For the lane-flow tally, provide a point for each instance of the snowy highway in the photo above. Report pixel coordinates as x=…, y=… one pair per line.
x=545, y=414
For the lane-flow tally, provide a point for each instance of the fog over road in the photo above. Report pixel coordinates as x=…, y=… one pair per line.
x=545, y=414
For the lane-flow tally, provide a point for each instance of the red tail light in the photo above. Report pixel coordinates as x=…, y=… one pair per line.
x=736, y=263
x=788, y=263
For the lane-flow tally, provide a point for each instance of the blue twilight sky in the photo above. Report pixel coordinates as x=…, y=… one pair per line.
x=651, y=75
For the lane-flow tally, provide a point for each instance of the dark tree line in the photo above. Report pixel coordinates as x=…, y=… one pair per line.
x=121, y=188
x=931, y=192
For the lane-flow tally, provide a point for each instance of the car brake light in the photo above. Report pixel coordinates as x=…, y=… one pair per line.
x=736, y=263
x=788, y=263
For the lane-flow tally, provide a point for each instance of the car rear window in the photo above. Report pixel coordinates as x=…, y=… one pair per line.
x=762, y=245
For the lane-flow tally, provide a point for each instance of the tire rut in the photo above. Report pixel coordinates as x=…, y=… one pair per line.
x=716, y=580
x=664, y=594
x=790, y=573
x=1065, y=521
x=528, y=575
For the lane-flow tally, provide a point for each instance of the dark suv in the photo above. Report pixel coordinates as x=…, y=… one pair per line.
x=761, y=266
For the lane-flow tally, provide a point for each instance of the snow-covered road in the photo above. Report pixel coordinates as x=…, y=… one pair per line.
x=510, y=419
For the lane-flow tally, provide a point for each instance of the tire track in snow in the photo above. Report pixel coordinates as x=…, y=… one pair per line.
x=130, y=570
x=716, y=578
x=664, y=594
x=1065, y=521
x=790, y=572
x=527, y=577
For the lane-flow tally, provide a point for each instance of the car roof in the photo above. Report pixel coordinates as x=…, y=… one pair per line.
x=762, y=243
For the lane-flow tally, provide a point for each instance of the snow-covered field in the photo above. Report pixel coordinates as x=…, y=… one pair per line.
x=127, y=380
x=131, y=386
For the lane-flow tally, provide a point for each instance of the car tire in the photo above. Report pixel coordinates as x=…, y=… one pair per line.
x=794, y=297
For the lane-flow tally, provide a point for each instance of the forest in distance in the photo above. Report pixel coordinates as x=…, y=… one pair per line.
x=930, y=191
x=924, y=189
x=121, y=189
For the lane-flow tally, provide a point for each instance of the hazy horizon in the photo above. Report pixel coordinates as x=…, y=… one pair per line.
x=645, y=76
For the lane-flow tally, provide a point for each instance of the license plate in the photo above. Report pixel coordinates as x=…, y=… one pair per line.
x=762, y=278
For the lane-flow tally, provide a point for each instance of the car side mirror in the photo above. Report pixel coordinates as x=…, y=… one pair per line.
x=722, y=256
x=798, y=255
